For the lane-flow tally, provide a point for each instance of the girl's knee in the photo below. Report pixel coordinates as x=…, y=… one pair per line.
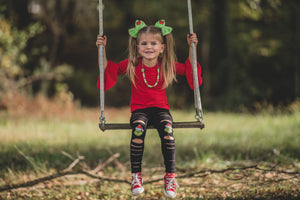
x=169, y=137
x=137, y=141
x=167, y=128
x=138, y=128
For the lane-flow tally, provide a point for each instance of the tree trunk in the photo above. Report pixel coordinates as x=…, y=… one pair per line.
x=295, y=17
x=218, y=47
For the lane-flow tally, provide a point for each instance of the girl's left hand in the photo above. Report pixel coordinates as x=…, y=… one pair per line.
x=101, y=40
x=192, y=38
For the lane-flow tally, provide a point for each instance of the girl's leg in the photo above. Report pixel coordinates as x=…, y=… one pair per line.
x=164, y=126
x=138, y=123
x=163, y=122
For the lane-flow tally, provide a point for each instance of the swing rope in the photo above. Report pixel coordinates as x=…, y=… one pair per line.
x=101, y=67
x=117, y=126
x=197, y=99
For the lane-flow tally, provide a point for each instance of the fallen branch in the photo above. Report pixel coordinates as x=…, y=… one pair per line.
x=109, y=160
x=36, y=181
x=74, y=163
x=197, y=174
x=204, y=172
x=29, y=160
x=58, y=175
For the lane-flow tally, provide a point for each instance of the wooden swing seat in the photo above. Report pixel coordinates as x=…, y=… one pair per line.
x=119, y=126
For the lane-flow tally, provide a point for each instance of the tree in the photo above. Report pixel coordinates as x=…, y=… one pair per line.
x=57, y=16
x=248, y=49
x=12, y=56
x=14, y=77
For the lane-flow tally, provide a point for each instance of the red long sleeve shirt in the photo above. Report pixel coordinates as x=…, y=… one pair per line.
x=141, y=95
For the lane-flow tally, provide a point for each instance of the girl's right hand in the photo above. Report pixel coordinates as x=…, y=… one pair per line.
x=101, y=41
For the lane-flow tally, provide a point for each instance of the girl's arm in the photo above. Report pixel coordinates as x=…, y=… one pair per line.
x=192, y=38
x=111, y=69
x=186, y=69
x=102, y=41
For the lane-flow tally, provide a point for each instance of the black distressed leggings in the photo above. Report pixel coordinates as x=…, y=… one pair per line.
x=162, y=120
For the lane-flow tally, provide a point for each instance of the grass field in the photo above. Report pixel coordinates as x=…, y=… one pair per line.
x=35, y=145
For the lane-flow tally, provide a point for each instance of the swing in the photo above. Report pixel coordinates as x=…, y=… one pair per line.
x=197, y=100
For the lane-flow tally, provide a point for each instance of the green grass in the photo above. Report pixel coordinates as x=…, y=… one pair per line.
x=227, y=138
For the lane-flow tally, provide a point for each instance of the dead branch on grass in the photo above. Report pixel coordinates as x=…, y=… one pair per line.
x=29, y=160
x=73, y=164
x=108, y=161
x=202, y=173
x=68, y=171
x=58, y=175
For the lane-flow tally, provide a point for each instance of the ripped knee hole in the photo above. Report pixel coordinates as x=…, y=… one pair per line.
x=166, y=120
x=168, y=137
x=137, y=141
x=138, y=121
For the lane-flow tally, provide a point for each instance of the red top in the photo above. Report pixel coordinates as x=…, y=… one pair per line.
x=141, y=95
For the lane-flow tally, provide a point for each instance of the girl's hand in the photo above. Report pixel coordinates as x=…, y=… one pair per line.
x=192, y=38
x=101, y=41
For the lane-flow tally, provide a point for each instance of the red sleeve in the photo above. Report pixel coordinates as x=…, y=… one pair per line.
x=111, y=72
x=187, y=70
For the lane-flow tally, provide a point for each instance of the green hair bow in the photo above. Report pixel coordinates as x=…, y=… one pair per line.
x=139, y=24
x=165, y=30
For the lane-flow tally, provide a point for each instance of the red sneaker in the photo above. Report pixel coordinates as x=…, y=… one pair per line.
x=170, y=185
x=136, y=184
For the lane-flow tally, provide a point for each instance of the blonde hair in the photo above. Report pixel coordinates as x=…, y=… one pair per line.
x=167, y=59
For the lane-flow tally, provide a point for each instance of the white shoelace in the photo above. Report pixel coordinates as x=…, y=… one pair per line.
x=135, y=180
x=170, y=182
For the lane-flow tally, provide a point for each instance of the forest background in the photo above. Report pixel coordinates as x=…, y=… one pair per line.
x=249, y=50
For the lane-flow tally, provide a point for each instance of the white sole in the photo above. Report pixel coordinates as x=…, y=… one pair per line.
x=169, y=196
x=138, y=192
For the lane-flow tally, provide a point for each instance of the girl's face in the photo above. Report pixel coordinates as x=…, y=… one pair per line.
x=150, y=46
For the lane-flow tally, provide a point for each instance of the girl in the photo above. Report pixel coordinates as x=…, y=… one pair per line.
x=151, y=67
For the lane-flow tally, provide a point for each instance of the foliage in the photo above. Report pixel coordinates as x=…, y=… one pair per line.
x=12, y=56
x=253, y=63
x=248, y=49
x=14, y=76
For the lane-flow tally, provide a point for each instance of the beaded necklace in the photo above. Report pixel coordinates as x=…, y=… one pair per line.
x=144, y=77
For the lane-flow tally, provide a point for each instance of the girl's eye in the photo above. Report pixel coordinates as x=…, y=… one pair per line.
x=151, y=43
